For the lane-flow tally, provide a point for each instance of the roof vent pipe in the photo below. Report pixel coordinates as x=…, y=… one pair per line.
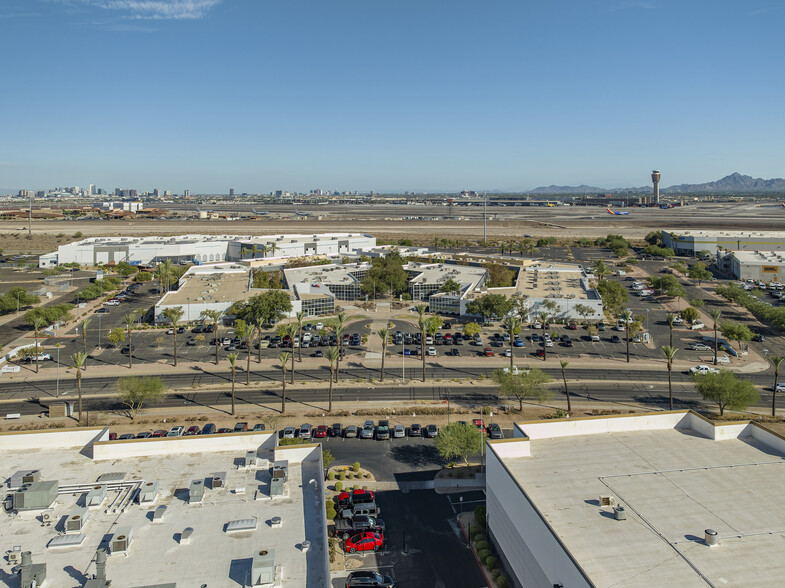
x=710, y=537
x=100, y=564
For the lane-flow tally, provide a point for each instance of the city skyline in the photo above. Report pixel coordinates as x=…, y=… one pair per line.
x=440, y=96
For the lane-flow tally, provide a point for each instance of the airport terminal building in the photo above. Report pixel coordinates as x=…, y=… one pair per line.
x=650, y=499
x=201, y=249
x=693, y=242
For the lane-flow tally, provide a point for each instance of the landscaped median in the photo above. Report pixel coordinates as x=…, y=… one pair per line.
x=474, y=531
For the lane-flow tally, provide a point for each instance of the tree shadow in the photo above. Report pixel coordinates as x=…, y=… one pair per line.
x=417, y=455
x=663, y=400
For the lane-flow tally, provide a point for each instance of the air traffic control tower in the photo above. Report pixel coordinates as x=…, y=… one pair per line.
x=655, y=179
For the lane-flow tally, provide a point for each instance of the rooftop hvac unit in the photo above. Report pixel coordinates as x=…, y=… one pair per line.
x=31, y=476
x=96, y=496
x=196, y=492
x=17, y=478
x=48, y=516
x=15, y=555
x=148, y=492
x=250, y=459
x=217, y=480
x=76, y=520
x=263, y=568
x=606, y=501
x=158, y=513
x=121, y=540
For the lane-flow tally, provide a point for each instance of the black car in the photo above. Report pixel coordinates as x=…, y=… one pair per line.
x=127, y=349
x=317, y=353
x=197, y=329
x=362, y=579
x=180, y=330
x=335, y=430
x=615, y=339
x=209, y=329
x=209, y=429
x=431, y=431
x=415, y=431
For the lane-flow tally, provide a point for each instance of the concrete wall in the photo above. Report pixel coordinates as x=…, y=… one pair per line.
x=192, y=444
x=52, y=438
x=530, y=551
x=603, y=424
x=299, y=453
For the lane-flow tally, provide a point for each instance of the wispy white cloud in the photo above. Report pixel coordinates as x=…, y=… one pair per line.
x=625, y=4
x=763, y=10
x=152, y=9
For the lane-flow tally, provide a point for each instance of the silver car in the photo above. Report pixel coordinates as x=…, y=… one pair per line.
x=288, y=433
x=399, y=431
x=367, y=432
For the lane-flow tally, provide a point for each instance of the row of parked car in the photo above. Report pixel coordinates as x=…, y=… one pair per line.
x=369, y=430
x=180, y=431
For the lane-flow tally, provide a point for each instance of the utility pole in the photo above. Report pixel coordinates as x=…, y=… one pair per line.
x=484, y=217
x=30, y=216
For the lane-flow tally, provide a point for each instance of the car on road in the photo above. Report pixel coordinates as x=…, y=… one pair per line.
x=495, y=431
x=678, y=321
x=175, y=432
x=704, y=370
x=399, y=431
x=415, y=430
x=336, y=429
x=431, y=431
x=192, y=430
x=350, y=432
x=453, y=352
x=125, y=437
x=102, y=311
x=317, y=353
x=366, y=578
x=191, y=342
x=144, y=435
x=697, y=325
x=320, y=432
x=432, y=351
x=288, y=433
x=595, y=338
x=209, y=429
x=367, y=431
x=159, y=433
x=759, y=338
x=383, y=431
x=572, y=327
x=223, y=430
x=367, y=541
x=615, y=339
x=600, y=326
x=539, y=353
x=127, y=349
x=305, y=431
x=488, y=352
x=508, y=353
x=241, y=427
x=258, y=427
x=700, y=347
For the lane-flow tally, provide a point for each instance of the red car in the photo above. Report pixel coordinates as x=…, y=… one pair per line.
x=112, y=436
x=480, y=424
x=540, y=353
x=321, y=431
x=364, y=542
x=192, y=430
x=572, y=326
x=160, y=433
x=356, y=496
x=488, y=352
x=224, y=430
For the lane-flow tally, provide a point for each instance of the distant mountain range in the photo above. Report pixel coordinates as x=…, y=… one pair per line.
x=734, y=183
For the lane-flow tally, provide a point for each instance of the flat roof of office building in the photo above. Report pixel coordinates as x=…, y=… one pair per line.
x=160, y=551
x=677, y=475
x=210, y=284
x=733, y=234
x=759, y=257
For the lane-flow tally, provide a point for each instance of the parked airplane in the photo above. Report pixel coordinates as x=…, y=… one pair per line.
x=298, y=213
x=783, y=204
x=260, y=213
x=620, y=213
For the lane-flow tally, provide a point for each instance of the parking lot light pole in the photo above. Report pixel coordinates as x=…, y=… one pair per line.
x=57, y=390
x=100, y=316
x=647, y=319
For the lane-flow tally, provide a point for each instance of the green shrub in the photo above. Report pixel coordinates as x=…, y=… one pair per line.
x=484, y=553
x=342, y=476
x=482, y=545
x=356, y=466
x=479, y=515
x=496, y=573
x=490, y=561
x=502, y=582
x=478, y=535
x=349, y=475
x=338, y=486
x=356, y=487
x=331, y=476
x=331, y=514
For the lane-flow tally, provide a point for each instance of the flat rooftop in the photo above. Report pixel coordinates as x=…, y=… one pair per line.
x=158, y=554
x=226, y=282
x=686, y=233
x=677, y=475
x=552, y=280
x=759, y=257
x=326, y=274
x=437, y=273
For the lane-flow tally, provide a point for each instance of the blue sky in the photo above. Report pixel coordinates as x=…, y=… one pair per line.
x=422, y=95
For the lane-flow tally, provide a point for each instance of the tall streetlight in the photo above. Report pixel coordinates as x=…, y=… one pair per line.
x=57, y=390
x=100, y=316
x=647, y=320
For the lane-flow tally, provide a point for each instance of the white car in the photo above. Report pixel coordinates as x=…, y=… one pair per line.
x=432, y=351
x=678, y=321
x=516, y=371
x=704, y=370
x=536, y=326
x=595, y=338
x=697, y=325
x=507, y=353
x=548, y=343
x=723, y=359
x=319, y=327
x=700, y=347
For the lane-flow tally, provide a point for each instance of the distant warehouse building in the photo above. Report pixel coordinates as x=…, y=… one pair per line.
x=651, y=499
x=203, y=248
x=693, y=242
x=764, y=266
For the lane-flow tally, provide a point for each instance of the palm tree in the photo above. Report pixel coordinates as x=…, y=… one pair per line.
x=174, y=314
x=422, y=323
x=383, y=334
x=776, y=360
x=332, y=356
x=715, y=313
x=544, y=316
x=670, y=317
x=245, y=331
x=164, y=273
x=531, y=248
x=129, y=322
x=299, y=317
x=600, y=269
x=232, y=358
x=338, y=330
x=85, y=323
x=521, y=247
x=38, y=323
x=513, y=326
x=271, y=247
x=564, y=365
x=283, y=358
x=627, y=315
x=291, y=330
x=78, y=359
x=669, y=352
x=215, y=316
